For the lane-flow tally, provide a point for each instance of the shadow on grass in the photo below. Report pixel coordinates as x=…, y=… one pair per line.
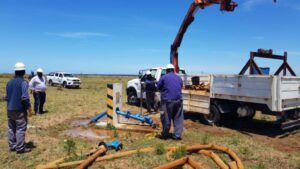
x=246, y=126
x=30, y=144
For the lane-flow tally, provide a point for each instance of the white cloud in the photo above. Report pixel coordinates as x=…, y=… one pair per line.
x=78, y=34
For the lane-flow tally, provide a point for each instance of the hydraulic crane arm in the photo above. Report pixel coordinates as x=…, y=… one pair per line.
x=225, y=5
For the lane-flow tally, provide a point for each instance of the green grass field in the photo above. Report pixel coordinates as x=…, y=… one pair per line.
x=66, y=105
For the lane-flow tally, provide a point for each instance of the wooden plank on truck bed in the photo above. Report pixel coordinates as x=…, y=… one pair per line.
x=196, y=101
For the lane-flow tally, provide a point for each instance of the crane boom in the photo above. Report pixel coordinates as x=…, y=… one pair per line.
x=225, y=5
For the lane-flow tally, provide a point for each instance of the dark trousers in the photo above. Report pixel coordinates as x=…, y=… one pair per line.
x=150, y=100
x=39, y=101
x=17, y=126
x=172, y=111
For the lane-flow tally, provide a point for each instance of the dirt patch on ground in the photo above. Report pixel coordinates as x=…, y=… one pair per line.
x=258, y=130
x=286, y=144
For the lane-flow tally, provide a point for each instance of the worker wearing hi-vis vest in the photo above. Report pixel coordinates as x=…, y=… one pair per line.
x=170, y=86
x=38, y=85
x=17, y=105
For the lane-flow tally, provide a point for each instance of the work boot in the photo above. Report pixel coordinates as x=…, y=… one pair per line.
x=161, y=137
x=12, y=149
x=25, y=150
x=176, y=138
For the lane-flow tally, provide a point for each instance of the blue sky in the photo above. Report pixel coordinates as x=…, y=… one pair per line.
x=105, y=36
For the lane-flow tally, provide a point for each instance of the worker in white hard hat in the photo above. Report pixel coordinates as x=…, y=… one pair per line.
x=38, y=85
x=150, y=88
x=170, y=86
x=18, y=103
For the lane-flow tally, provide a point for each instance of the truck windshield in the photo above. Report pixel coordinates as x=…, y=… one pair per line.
x=153, y=72
x=69, y=75
x=180, y=73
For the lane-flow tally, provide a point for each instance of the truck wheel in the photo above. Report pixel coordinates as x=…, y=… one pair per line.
x=50, y=83
x=132, y=98
x=65, y=84
x=213, y=118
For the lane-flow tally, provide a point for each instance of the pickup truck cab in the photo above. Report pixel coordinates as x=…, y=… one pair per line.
x=63, y=78
x=133, y=89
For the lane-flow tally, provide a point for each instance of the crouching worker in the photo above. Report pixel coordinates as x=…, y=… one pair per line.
x=170, y=86
x=17, y=105
x=38, y=85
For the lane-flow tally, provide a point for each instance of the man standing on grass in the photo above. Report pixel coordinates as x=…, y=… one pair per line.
x=170, y=86
x=38, y=85
x=17, y=105
x=150, y=88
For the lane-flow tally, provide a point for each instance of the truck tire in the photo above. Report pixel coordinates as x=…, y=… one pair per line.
x=50, y=83
x=65, y=84
x=213, y=118
x=132, y=98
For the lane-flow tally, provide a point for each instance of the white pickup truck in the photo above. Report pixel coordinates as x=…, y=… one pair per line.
x=63, y=78
x=243, y=95
x=134, y=86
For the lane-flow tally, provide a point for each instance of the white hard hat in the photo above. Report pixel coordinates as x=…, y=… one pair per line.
x=148, y=72
x=39, y=70
x=170, y=66
x=19, y=66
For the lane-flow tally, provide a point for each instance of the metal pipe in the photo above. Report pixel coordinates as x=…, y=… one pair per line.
x=99, y=116
x=138, y=116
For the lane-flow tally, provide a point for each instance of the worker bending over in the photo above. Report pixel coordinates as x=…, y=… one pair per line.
x=38, y=86
x=170, y=86
x=18, y=103
x=149, y=85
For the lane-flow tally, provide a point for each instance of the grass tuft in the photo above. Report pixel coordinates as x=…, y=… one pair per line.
x=205, y=139
x=258, y=166
x=69, y=146
x=179, y=152
x=160, y=149
x=234, y=141
x=116, y=134
x=75, y=158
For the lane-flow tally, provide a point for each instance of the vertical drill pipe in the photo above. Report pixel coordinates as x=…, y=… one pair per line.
x=92, y=158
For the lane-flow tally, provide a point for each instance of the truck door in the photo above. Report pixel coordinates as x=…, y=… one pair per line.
x=60, y=78
x=55, y=78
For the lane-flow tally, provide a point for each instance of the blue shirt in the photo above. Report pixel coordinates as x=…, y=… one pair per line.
x=170, y=86
x=17, y=95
